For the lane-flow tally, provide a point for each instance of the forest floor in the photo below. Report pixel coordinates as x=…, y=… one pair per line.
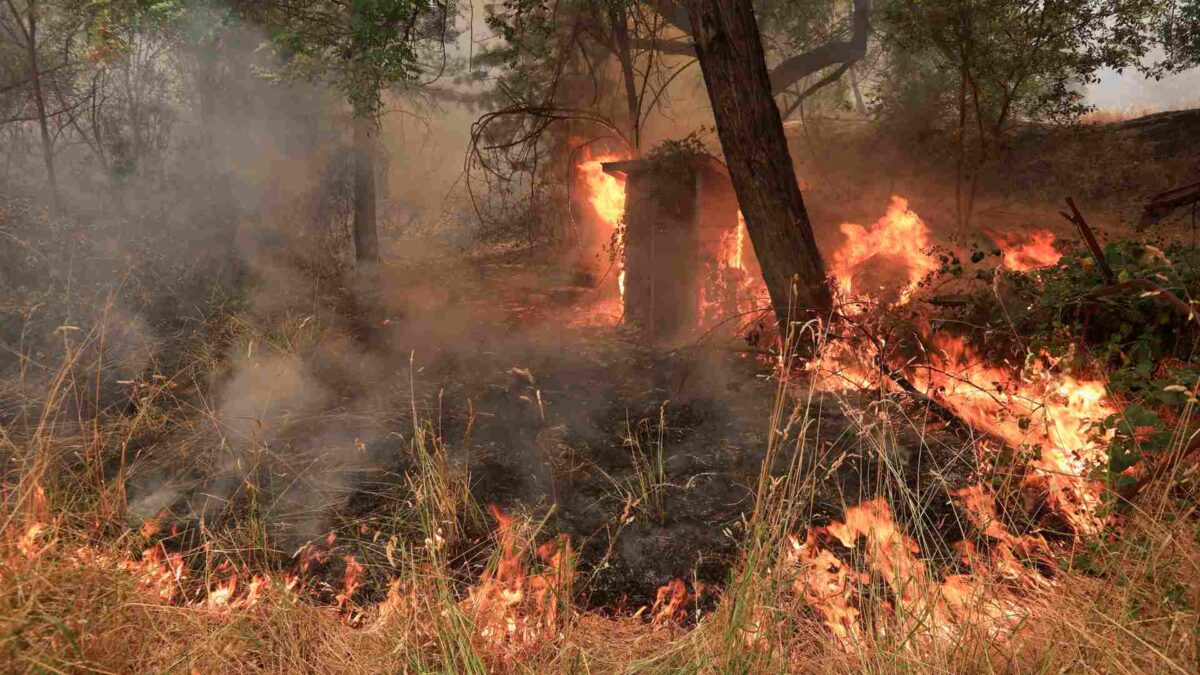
x=466, y=464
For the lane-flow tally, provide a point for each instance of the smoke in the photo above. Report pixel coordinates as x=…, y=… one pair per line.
x=306, y=399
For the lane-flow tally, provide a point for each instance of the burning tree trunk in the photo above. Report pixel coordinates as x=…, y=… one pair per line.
x=751, y=131
x=366, y=236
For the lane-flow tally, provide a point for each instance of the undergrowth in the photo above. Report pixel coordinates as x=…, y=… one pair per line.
x=88, y=585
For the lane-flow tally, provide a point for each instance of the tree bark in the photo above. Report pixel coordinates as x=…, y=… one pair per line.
x=366, y=234
x=739, y=87
x=39, y=100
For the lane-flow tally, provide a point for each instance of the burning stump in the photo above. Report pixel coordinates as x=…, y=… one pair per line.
x=677, y=212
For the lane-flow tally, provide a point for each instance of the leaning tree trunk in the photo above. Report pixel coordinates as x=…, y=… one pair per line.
x=751, y=131
x=366, y=235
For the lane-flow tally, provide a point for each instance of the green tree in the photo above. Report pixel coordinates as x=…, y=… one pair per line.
x=1180, y=31
x=979, y=66
x=361, y=47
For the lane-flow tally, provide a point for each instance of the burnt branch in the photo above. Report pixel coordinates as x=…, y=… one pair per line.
x=1089, y=238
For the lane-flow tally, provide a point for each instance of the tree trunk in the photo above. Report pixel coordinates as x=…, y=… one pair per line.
x=366, y=236
x=39, y=101
x=751, y=131
x=625, y=56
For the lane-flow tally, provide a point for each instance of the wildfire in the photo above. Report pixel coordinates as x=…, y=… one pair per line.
x=512, y=608
x=1036, y=406
x=1057, y=413
x=670, y=602
x=1036, y=250
x=924, y=607
x=606, y=195
x=733, y=285
x=605, y=192
x=733, y=245
x=351, y=581
x=896, y=244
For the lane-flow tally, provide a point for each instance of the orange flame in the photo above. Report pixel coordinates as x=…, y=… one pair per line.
x=1055, y=412
x=159, y=572
x=606, y=195
x=512, y=607
x=897, y=240
x=351, y=581
x=733, y=244
x=927, y=608
x=670, y=602
x=605, y=192
x=733, y=285
x=1037, y=250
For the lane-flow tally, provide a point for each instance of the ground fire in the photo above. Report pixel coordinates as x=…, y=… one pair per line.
x=704, y=337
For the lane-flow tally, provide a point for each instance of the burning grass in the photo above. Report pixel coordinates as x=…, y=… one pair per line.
x=1009, y=552
x=855, y=594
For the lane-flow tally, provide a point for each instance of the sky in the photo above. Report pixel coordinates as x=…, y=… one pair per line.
x=1131, y=90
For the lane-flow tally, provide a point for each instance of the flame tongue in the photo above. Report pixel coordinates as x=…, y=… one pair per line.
x=1036, y=250
x=606, y=195
x=1057, y=413
x=895, y=246
x=605, y=192
x=925, y=608
x=513, y=608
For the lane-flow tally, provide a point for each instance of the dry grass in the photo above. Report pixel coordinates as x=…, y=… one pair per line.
x=73, y=599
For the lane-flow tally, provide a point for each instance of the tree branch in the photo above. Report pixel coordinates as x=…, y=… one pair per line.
x=831, y=53
x=792, y=69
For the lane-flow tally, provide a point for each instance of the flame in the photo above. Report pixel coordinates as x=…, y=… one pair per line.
x=159, y=572
x=512, y=608
x=733, y=285
x=924, y=607
x=1036, y=250
x=605, y=192
x=351, y=581
x=670, y=602
x=1057, y=413
x=222, y=593
x=27, y=543
x=733, y=244
x=826, y=584
x=899, y=240
x=606, y=195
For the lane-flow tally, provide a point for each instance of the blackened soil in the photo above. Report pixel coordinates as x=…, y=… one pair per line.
x=560, y=422
x=560, y=433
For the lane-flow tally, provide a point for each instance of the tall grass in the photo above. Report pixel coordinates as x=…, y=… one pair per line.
x=70, y=603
